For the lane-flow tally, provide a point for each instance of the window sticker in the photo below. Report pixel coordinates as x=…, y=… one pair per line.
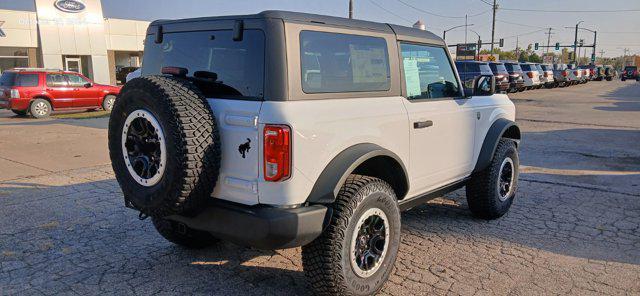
x=412, y=77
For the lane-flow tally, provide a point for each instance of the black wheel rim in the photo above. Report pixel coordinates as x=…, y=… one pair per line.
x=506, y=178
x=143, y=147
x=370, y=242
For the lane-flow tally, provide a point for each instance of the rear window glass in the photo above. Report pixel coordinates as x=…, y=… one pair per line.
x=513, y=67
x=498, y=68
x=332, y=62
x=630, y=68
x=27, y=80
x=8, y=78
x=525, y=67
x=56, y=80
x=219, y=66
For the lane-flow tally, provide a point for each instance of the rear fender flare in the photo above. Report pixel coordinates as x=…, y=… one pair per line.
x=327, y=186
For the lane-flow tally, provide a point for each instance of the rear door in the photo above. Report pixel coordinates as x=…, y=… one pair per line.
x=230, y=74
x=442, y=123
x=58, y=89
x=83, y=96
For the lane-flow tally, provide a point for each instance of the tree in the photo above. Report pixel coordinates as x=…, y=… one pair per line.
x=535, y=58
x=524, y=57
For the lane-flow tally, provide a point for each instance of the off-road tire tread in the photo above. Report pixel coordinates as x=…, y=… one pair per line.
x=192, y=125
x=191, y=238
x=480, y=189
x=321, y=258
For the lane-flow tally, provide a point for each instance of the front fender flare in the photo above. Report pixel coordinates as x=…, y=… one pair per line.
x=496, y=131
x=327, y=186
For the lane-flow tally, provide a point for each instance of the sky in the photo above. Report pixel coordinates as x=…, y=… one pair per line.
x=617, y=21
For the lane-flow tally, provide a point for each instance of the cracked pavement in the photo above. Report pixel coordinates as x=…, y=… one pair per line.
x=574, y=227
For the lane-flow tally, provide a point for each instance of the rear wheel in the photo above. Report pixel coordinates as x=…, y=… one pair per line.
x=40, y=108
x=19, y=112
x=356, y=253
x=491, y=191
x=182, y=235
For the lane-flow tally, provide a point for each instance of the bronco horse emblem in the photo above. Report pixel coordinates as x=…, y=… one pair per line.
x=244, y=148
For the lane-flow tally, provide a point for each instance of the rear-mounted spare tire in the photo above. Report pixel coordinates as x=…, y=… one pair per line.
x=164, y=146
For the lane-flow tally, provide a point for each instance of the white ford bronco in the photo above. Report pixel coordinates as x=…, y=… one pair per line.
x=284, y=129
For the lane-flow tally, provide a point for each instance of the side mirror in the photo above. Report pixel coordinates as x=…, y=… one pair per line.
x=88, y=85
x=484, y=85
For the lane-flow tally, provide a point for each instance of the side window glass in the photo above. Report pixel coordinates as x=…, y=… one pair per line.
x=75, y=80
x=333, y=62
x=56, y=80
x=428, y=72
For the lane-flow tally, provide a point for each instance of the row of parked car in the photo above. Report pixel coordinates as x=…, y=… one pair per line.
x=514, y=76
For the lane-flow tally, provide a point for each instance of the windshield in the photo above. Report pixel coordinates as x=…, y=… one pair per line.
x=218, y=65
x=630, y=68
x=8, y=78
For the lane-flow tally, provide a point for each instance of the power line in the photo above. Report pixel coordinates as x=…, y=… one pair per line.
x=390, y=12
x=527, y=33
x=523, y=25
x=440, y=15
x=568, y=11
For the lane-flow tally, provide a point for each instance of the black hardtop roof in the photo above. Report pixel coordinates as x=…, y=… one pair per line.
x=317, y=19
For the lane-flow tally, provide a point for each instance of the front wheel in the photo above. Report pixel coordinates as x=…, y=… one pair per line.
x=107, y=102
x=356, y=253
x=491, y=191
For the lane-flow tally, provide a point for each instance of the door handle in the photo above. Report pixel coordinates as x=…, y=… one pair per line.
x=422, y=124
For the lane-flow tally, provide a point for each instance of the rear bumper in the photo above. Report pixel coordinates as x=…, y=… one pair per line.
x=4, y=104
x=15, y=104
x=260, y=227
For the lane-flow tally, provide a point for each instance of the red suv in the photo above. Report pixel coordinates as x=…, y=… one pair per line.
x=39, y=91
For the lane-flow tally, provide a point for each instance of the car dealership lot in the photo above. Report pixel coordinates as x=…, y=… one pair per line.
x=574, y=227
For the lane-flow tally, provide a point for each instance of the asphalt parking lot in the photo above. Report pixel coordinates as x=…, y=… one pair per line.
x=574, y=227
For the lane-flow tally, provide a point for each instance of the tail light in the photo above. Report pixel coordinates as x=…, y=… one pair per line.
x=635, y=72
x=624, y=72
x=593, y=72
x=564, y=73
x=575, y=73
x=15, y=94
x=277, y=152
x=530, y=74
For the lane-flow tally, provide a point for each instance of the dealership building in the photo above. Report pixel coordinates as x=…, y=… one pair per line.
x=72, y=35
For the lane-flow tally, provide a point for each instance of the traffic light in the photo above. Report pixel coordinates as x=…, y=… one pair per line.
x=501, y=42
x=593, y=57
x=581, y=42
x=536, y=46
x=479, y=44
x=557, y=45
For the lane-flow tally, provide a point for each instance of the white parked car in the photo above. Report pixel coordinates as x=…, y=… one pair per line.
x=285, y=129
x=575, y=74
x=531, y=76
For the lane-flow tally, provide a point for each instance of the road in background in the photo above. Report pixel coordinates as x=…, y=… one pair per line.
x=573, y=229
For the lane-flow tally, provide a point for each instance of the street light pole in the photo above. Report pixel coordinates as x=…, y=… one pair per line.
x=350, y=9
x=444, y=33
x=575, y=44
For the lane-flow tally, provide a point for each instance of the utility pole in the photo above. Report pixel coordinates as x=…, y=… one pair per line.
x=465, y=29
x=493, y=25
x=548, y=39
x=601, y=53
x=517, y=50
x=350, y=9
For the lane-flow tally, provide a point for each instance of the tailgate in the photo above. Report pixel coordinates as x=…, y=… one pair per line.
x=239, y=168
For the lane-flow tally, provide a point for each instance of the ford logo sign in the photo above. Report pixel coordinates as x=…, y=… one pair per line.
x=72, y=6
